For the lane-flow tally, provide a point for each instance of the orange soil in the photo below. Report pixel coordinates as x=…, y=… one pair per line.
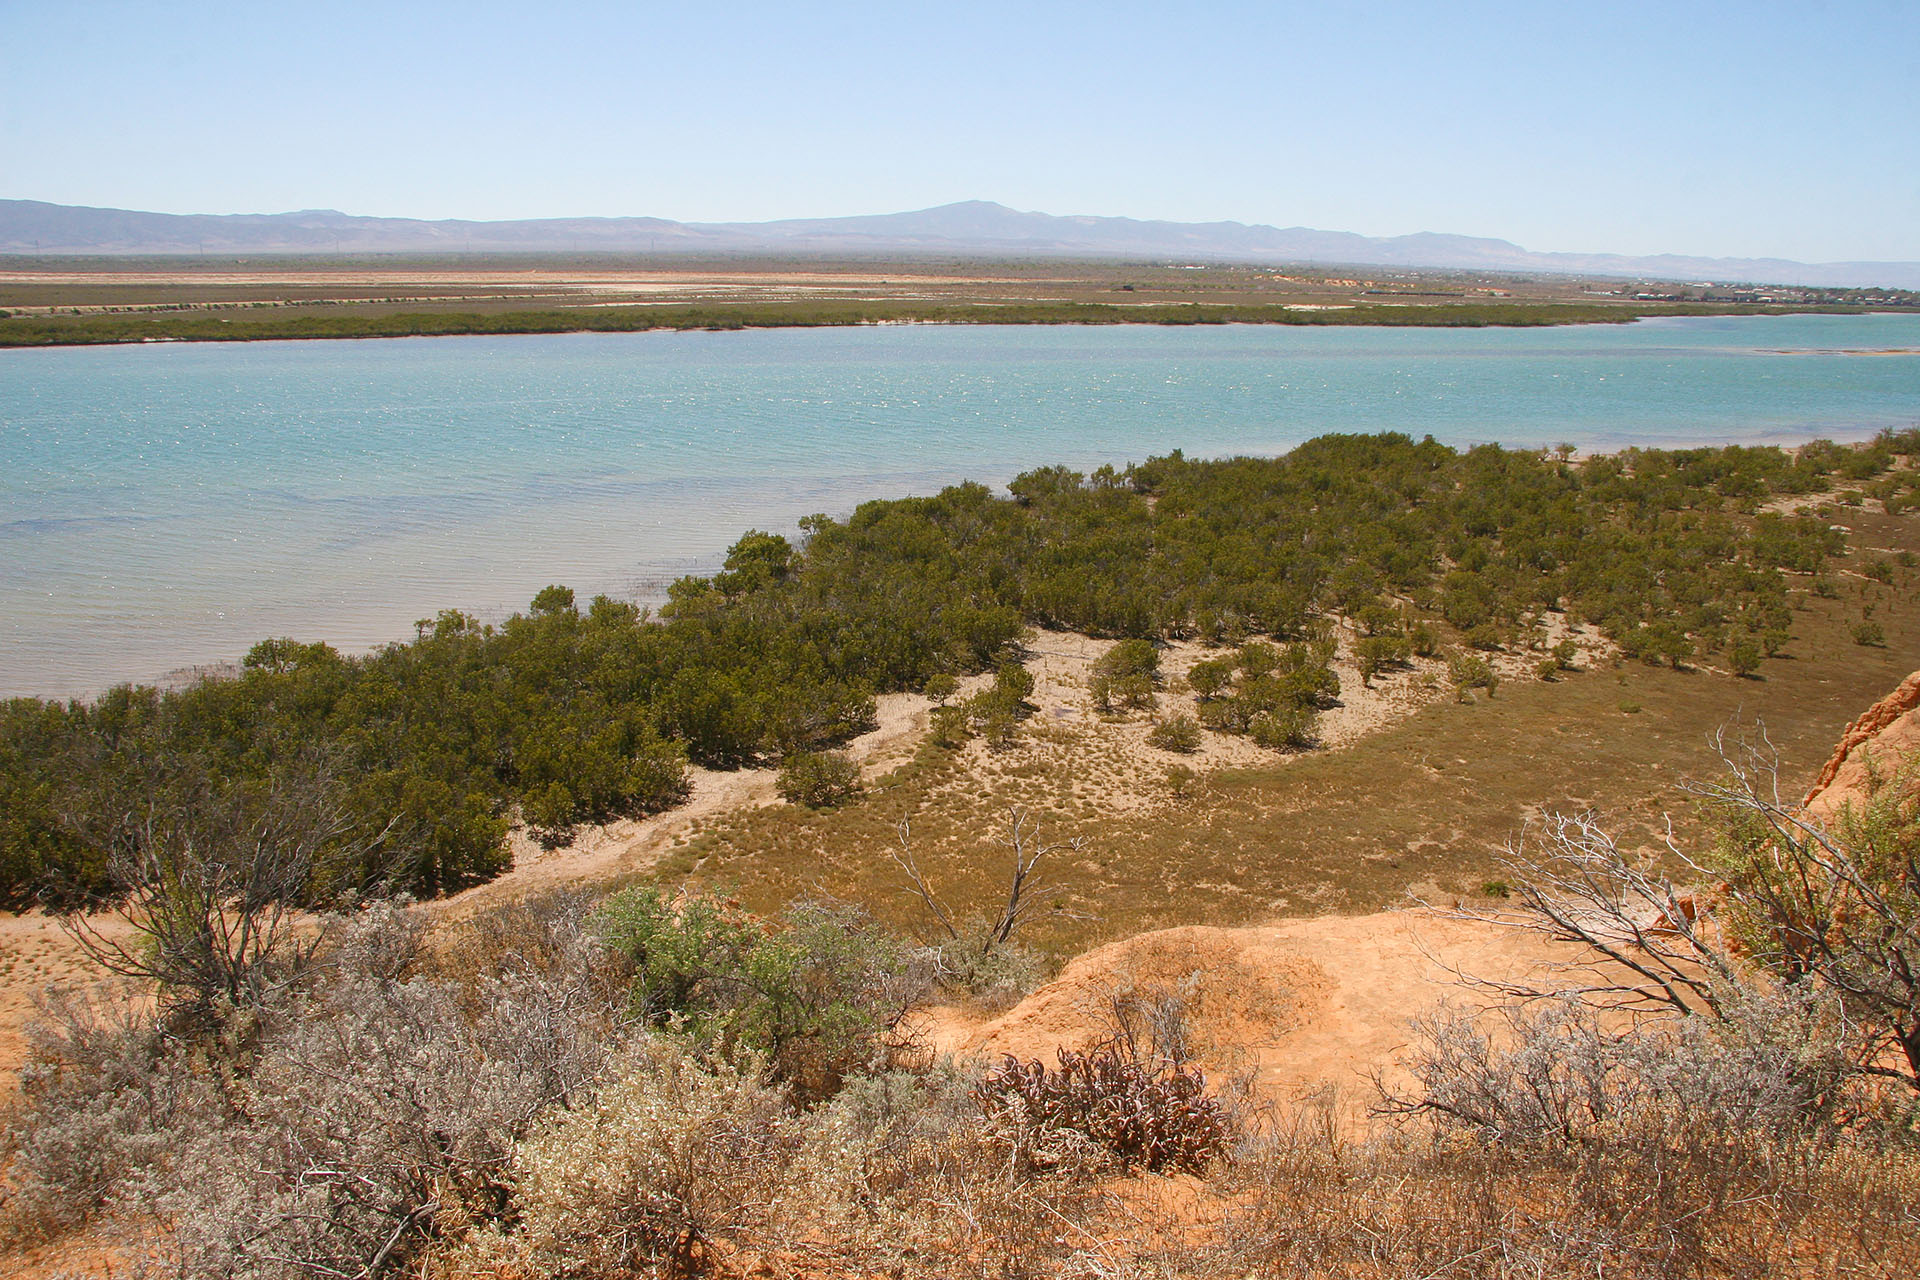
x=1293, y=1009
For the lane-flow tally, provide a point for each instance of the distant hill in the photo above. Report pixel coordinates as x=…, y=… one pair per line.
x=969, y=228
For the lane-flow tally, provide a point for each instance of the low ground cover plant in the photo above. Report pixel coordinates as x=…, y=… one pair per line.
x=810, y=998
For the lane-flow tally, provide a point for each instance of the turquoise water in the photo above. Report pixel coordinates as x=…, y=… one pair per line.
x=169, y=504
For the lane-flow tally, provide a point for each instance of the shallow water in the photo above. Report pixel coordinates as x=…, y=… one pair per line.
x=169, y=504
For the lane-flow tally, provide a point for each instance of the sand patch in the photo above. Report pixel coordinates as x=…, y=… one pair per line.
x=1109, y=765
x=37, y=956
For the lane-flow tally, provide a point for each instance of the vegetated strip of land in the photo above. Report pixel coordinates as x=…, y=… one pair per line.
x=566, y=714
x=86, y=330
x=60, y=301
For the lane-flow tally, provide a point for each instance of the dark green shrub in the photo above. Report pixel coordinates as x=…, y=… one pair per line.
x=995, y=717
x=1129, y=658
x=1177, y=733
x=1376, y=653
x=1377, y=619
x=1286, y=728
x=996, y=710
x=1132, y=692
x=1257, y=659
x=949, y=727
x=1013, y=682
x=1210, y=676
x=1469, y=671
x=818, y=779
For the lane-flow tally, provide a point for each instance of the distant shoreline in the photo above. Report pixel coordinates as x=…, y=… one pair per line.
x=118, y=330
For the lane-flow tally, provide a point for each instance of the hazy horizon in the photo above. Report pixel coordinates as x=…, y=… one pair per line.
x=1727, y=130
x=848, y=215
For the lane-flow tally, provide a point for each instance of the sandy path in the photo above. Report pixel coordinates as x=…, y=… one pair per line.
x=600, y=854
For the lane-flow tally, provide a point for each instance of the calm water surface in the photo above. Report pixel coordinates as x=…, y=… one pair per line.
x=170, y=504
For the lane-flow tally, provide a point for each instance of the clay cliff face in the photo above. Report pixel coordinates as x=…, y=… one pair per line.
x=1887, y=734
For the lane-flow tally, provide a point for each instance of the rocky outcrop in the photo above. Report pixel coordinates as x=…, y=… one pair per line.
x=1884, y=737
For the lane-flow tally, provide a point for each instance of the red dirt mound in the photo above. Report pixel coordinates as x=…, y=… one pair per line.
x=1294, y=1006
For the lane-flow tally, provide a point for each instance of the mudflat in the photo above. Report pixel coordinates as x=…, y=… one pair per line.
x=65, y=300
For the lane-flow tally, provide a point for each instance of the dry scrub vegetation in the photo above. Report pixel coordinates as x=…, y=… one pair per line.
x=656, y=1085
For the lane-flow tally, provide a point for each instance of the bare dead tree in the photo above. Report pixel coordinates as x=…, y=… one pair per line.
x=922, y=889
x=1785, y=895
x=1023, y=877
x=1643, y=945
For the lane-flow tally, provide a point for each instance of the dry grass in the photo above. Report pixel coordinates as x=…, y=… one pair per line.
x=1403, y=1205
x=513, y=1123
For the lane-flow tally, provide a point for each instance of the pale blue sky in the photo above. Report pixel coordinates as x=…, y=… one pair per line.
x=1759, y=128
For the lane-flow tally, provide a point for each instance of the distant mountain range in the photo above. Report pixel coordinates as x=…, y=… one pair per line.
x=971, y=228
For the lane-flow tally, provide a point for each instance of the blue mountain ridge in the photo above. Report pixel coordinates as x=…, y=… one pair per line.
x=970, y=228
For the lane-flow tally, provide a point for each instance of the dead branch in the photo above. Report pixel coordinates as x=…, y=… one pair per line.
x=1024, y=876
x=213, y=884
x=917, y=879
x=1660, y=953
